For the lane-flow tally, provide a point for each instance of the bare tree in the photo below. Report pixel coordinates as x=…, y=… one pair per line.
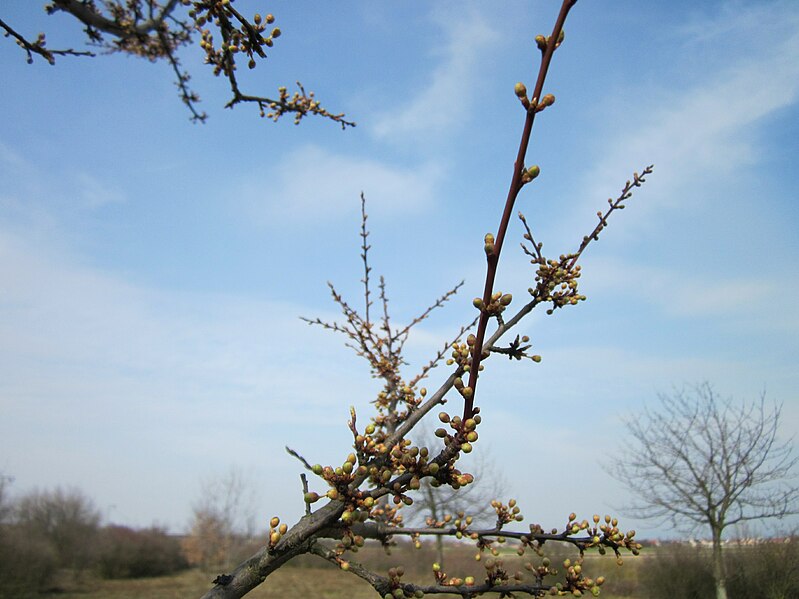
x=700, y=461
x=158, y=29
x=223, y=521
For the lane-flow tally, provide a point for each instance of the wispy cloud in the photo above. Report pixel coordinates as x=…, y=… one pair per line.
x=313, y=185
x=30, y=183
x=682, y=294
x=448, y=94
x=701, y=133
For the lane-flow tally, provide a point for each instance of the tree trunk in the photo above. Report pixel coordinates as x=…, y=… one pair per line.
x=719, y=569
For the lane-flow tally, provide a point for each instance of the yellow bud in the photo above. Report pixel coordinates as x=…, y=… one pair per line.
x=274, y=522
x=520, y=89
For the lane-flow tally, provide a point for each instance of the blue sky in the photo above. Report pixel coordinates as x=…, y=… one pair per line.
x=154, y=271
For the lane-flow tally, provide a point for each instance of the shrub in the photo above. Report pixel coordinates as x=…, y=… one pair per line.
x=678, y=571
x=129, y=553
x=66, y=519
x=768, y=569
x=28, y=563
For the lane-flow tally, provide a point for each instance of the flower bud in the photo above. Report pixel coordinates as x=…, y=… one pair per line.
x=520, y=90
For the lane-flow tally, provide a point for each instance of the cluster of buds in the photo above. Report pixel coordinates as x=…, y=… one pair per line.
x=576, y=584
x=461, y=355
x=541, y=570
x=465, y=430
x=496, y=574
x=506, y=513
x=496, y=305
x=244, y=37
x=454, y=581
x=610, y=532
x=276, y=531
x=556, y=282
x=398, y=591
x=301, y=103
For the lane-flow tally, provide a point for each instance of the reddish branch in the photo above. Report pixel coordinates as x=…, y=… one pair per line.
x=516, y=185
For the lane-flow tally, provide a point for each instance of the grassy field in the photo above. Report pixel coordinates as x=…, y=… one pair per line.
x=288, y=583
x=310, y=580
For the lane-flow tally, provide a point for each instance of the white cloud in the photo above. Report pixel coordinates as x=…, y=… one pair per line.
x=313, y=185
x=448, y=95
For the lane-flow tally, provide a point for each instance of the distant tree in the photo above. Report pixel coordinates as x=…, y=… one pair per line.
x=700, y=461
x=223, y=520
x=65, y=518
x=157, y=29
